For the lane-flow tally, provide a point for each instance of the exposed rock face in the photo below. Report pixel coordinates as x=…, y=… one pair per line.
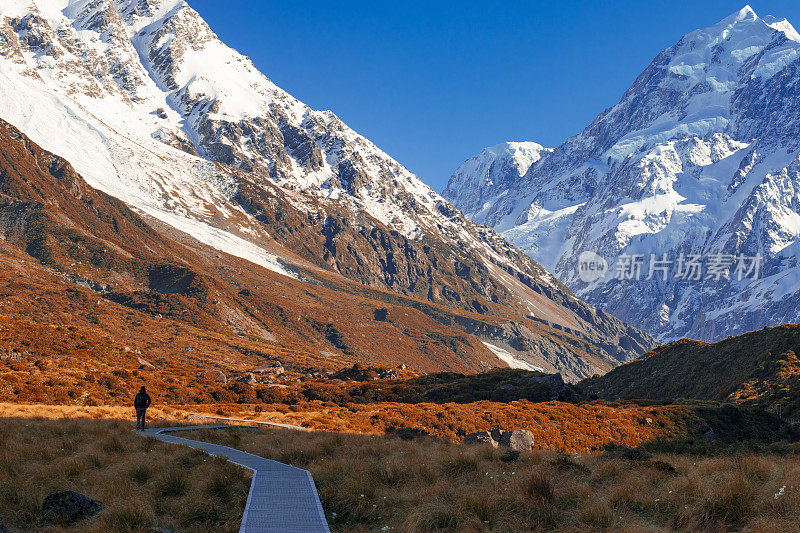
x=517, y=440
x=700, y=156
x=69, y=507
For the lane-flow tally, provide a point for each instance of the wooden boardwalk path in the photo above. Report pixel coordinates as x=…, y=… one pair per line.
x=282, y=498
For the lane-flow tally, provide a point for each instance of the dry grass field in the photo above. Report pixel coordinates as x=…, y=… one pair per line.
x=142, y=482
x=369, y=482
x=383, y=483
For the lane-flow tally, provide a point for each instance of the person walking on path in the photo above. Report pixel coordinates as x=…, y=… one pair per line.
x=141, y=402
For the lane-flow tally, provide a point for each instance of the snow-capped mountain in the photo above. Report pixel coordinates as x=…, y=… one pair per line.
x=483, y=178
x=700, y=157
x=149, y=106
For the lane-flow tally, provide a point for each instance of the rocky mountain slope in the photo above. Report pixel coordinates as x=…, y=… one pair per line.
x=761, y=368
x=86, y=279
x=153, y=109
x=698, y=163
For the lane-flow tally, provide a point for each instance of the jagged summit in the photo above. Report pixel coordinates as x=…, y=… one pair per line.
x=748, y=17
x=495, y=168
x=700, y=155
x=747, y=13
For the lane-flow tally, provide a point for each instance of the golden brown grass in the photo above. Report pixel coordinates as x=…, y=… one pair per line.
x=560, y=426
x=143, y=483
x=368, y=483
x=555, y=425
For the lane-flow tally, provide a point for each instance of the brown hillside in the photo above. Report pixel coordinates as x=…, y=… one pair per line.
x=760, y=367
x=72, y=244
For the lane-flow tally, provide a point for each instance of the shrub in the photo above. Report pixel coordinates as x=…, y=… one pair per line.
x=172, y=484
x=540, y=488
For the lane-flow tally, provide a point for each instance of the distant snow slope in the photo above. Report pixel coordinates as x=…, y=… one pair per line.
x=700, y=156
x=510, y=359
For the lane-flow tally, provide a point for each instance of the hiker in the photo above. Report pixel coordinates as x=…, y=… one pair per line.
x=141, y=403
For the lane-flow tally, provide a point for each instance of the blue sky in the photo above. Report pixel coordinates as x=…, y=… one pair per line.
x=432, y=83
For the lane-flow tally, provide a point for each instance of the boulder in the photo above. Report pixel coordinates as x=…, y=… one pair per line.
x=480, y=437
x=497, y=434
x=215, y=375
x=518, y=439
x=144, y=364
x=710, y=436
x=3, y=529
x=250, y=379
x=66, y=508
x=276, y=369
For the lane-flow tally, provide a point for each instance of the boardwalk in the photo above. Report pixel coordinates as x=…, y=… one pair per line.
x=282, y=498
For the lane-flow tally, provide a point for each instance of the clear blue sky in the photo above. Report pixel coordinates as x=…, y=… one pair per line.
x=432, y=83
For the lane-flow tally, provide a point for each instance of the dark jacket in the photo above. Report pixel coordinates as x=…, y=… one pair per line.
x=142, y=400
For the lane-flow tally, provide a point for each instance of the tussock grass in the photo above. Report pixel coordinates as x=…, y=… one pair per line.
x=143, y=483
x=367, y=483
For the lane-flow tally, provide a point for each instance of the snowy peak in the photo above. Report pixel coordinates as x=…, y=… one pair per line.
x=481, y=178
x=692, y=88
x=748, y=18
x=745, y=14
x=701, y=155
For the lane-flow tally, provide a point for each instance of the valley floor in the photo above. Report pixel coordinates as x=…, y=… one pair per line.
x=648, y=470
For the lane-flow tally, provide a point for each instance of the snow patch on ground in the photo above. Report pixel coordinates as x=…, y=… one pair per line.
x=510, y=359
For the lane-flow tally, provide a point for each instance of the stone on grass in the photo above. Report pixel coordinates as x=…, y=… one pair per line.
x=249, y=379
x=69, y=507
x=518, y=439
